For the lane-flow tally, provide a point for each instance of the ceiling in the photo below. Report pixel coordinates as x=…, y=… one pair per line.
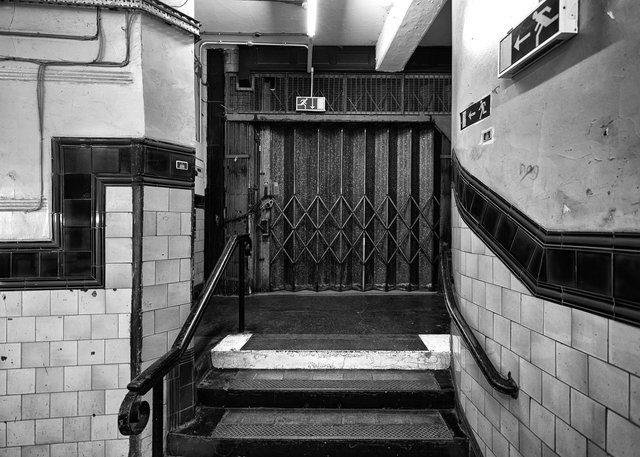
x=339, y=23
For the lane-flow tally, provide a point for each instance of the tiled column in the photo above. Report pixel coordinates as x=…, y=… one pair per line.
x=166, y=273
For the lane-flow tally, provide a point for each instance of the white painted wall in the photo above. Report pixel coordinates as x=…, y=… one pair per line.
x=168, y=83
x=78, y=100
x=575, y=115
x=578, y=372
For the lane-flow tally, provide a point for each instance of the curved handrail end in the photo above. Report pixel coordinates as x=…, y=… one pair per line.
x=505, y=385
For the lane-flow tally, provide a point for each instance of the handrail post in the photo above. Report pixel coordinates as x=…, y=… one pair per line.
x=241, y=255
x=157, y=438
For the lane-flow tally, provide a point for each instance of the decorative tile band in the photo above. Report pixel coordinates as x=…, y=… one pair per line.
x=82, y=168
x=594, y=271
x=153, y=7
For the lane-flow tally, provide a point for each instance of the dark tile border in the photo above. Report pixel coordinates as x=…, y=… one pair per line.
x=81, y=169
x=199, y=201
x=597, y=272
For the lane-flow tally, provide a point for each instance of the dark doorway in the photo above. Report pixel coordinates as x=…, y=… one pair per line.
x=214, y=194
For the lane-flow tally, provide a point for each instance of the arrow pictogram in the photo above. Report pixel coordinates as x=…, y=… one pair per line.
x=520, y=40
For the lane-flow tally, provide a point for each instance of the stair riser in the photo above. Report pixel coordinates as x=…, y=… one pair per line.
x=441, y=399
x=188, y=446
x=331, y=360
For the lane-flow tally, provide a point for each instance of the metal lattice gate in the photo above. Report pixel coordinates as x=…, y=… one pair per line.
x=350, y=206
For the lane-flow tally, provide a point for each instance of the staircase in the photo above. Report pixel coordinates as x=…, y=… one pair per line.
x=325, y=395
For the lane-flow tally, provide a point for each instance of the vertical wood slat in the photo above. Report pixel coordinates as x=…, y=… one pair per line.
x=305, y=186
x=379, y=197
x=358, y=170
x=276, y=156
x=329, y=174
x=403, y=198
x=239, y=169
x=391, y=212
x=369, y=221
x=414, y=268
x=426, y=204
x=265, y=187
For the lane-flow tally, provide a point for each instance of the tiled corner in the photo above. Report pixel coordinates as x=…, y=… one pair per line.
x=578, y=373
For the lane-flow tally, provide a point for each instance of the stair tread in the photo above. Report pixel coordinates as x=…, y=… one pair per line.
x=322, y=380
x=315, y=342
x=308, y=424
x=274, y=351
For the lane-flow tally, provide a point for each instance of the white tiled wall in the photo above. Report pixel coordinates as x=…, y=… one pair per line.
x=166, y=272
x=578, y=372
x=65, y=357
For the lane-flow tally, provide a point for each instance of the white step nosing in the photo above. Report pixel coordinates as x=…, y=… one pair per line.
x=228, y=354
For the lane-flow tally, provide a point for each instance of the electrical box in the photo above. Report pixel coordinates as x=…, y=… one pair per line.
x=551, y=23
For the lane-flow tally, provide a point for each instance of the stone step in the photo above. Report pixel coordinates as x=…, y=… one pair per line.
x=327, y=388
x=331, y=352
x=318, y=432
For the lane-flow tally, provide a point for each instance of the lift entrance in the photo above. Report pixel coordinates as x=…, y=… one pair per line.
x=335, y=206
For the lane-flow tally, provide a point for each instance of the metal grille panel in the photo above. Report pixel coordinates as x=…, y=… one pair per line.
x=347, y=93
x=353, y=207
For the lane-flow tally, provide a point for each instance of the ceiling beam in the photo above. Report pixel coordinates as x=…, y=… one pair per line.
x=406, y=24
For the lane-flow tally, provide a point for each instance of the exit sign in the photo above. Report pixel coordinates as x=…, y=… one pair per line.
x=551, y=23
x=316, y=104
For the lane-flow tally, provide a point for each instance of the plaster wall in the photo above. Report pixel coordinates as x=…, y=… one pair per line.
x=567, y=128
x=168, y=83
x=66, y=354
x=76, y=100
x=184, y=6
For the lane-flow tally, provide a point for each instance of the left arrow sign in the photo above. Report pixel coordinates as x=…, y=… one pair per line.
x=520, y=40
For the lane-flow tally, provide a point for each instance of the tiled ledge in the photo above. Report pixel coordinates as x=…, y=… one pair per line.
x=593, y=271
x=84, y=169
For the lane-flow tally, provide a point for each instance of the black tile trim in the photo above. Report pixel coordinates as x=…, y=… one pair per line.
x=555, y=265
x=199, y=201
x=81, y=168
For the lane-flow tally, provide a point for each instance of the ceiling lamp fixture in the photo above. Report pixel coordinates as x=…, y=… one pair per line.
x=312, y=13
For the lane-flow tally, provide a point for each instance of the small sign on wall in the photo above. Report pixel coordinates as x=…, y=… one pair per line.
x=315, y=104
x=486, y=137
x=476, y=112
x=551, y=23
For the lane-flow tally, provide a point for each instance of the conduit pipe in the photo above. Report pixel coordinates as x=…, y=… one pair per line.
x=237, y=39
x=40, y=91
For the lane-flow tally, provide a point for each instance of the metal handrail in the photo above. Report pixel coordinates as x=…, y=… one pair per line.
x=134, y=412
x=503, y=385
